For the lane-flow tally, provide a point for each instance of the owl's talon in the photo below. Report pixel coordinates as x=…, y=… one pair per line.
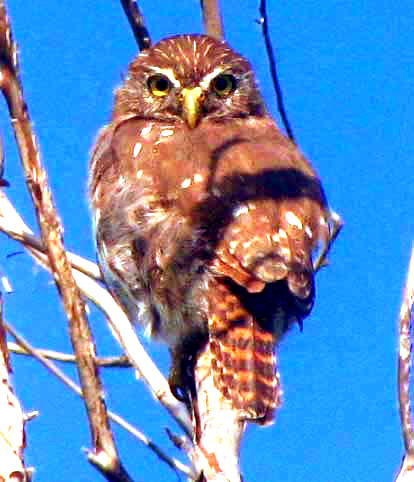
x=178, y=392
x=178, y=385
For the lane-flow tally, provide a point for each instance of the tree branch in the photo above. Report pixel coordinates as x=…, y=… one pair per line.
x=273, y=71
x=51, y=231
x=219, y=425
x=12, y=436
x=137, y=23
x=107, y=362
x=404, y=360
x=213, y=23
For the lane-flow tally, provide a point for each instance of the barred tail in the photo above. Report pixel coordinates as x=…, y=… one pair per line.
x=244, y=363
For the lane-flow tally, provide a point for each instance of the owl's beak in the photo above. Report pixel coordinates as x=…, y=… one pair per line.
x=192, y=100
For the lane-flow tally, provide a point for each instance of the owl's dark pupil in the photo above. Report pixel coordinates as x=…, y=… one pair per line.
x=224, y=84
x=161, y=84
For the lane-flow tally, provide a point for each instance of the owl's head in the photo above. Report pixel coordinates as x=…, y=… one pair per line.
x=189, y=78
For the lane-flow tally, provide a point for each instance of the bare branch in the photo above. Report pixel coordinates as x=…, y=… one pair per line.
x=51, y=231
x=273, y=71
x=137, y=23
x=406, y=473
x=105, y=362
x=11, y=419
x=404, y=360
x=53, y=368
x=213, y=23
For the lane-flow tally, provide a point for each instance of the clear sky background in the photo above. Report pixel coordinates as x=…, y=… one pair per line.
x=347, y=73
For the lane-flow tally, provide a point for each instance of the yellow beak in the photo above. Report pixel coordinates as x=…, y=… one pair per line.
x=192, y=100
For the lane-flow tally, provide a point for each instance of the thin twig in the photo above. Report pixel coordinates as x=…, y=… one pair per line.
x=213, y=22
x=53, y=368
x=51, y=231
x=272, y=64
x=336, y=224
x=404, y=360
x=105, y=362
x=137, y=23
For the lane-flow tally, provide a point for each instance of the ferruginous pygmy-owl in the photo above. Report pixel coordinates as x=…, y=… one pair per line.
x=206, y=216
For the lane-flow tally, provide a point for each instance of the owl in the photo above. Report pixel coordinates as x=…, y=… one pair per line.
x=206, y=217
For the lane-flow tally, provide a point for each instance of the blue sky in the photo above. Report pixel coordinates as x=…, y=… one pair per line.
x=347, y=74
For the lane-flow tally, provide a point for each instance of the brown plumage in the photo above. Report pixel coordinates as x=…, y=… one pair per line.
x=206, y=216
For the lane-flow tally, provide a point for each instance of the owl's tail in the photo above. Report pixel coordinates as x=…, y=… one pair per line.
x=244, y=361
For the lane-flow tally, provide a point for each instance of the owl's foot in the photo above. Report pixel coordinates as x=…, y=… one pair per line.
x=180, y=381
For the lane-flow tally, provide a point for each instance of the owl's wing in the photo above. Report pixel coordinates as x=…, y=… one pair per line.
x=115, y=195
x=273, y=206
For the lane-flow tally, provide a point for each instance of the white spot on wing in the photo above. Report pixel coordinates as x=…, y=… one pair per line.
x=232, y=246
x=146, y=130
x=308, y=231
x=167, y=132
x=292, y=219
x=282, y=233
x=137, y=149
x=286, y=252
x=186, y=183
x=198, y=177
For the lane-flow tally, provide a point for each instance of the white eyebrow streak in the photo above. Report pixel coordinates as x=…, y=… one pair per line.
x=205, y=81
x=168, y=73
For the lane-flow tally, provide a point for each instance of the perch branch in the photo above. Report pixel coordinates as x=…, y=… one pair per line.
x=137, y=23
x=213, y=22
x=219, y=427
x=51, y=232
x=273, y=71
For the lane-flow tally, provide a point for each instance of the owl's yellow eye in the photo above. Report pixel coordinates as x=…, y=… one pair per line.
x=224, y=84
x=159, y=85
